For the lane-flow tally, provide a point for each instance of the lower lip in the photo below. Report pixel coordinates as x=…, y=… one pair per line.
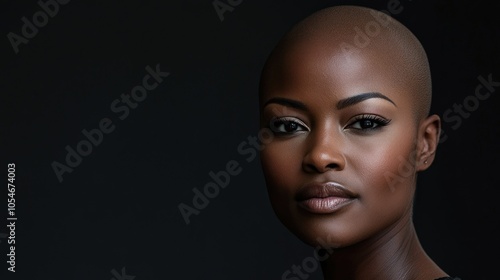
x=325, y=205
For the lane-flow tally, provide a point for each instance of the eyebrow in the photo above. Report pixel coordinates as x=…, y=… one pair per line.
x=361, y=97
x=287, y=102
x=340, y=105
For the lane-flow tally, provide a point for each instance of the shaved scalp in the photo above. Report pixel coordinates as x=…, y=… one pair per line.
x=337, y=30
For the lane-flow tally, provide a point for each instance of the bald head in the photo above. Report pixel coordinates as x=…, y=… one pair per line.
x=365, y=44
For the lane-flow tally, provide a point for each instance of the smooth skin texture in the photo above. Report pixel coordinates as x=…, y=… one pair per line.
x=357, y=116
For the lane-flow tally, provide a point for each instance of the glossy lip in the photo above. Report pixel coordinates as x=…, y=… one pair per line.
x=324, y=198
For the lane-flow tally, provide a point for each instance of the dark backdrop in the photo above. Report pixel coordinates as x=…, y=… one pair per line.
x=116, y=214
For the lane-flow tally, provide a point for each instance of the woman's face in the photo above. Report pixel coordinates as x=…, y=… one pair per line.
x=340, y=166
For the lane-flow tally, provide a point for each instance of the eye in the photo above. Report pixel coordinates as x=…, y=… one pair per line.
x=368, y=122
x=287, y=125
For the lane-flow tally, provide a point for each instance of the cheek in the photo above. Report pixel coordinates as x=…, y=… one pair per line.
x=275, y=162
x=386, y=173
x=281, y=160
x=281, y=168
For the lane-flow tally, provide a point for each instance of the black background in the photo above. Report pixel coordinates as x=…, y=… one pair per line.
x=119, y=207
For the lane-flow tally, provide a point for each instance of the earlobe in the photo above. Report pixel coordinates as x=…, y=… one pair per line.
x=428, y=139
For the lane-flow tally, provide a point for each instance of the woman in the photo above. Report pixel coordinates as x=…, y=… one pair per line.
x=346, y=94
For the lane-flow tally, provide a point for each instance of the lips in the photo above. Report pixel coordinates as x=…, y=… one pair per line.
x=324, y=198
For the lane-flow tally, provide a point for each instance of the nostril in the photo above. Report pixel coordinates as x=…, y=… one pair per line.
x=323, y=156
x=332, y=166
x=321, y=169
x=310, y=168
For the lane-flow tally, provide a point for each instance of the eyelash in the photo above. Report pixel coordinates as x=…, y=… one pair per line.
x=276, y=123
x=378, y=120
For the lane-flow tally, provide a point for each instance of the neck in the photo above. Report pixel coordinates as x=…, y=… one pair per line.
x=393, y=254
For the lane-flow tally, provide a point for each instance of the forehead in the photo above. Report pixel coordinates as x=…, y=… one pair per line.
x=329, y=69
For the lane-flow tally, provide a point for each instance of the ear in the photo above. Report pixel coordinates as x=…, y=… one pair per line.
x=428, y=139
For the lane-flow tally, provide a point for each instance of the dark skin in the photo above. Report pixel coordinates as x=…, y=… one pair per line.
x=323, y=135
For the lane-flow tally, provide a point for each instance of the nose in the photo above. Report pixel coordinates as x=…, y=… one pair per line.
x=324, y=153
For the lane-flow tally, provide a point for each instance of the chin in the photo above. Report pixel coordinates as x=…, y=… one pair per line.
x=326, y=231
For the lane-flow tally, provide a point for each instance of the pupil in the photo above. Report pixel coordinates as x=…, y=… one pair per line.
x=290, y=126
x=366, y=124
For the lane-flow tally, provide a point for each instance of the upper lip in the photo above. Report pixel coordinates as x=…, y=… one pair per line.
x=323, y=190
